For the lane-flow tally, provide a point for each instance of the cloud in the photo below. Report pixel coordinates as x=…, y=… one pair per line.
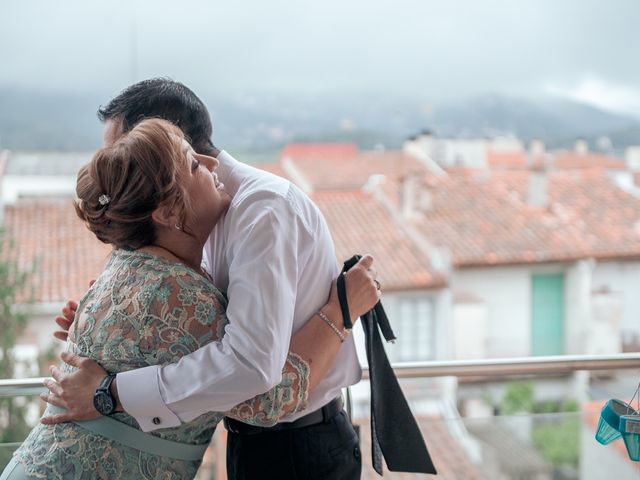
x=600, y=93
x=429, y=48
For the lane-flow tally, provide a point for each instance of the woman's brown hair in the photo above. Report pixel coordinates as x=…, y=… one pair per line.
x=123, y=184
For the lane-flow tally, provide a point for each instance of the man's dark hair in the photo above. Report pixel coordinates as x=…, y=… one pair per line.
x=167, y=99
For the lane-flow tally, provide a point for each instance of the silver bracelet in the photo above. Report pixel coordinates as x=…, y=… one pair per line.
x=326, y=320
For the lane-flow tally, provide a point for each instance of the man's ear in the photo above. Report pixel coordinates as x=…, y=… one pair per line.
x=163, y=216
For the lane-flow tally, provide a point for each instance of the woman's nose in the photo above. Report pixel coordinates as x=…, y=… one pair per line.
x=210, y=162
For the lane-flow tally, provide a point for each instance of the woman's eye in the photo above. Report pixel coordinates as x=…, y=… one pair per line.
x=194, y=165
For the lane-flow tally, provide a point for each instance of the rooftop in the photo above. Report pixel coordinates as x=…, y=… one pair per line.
x=487, y=219
x=46, y=163
x=335, y=172
x=474, y=218
x=359, y=224
x=66, y=254
x=450, y=459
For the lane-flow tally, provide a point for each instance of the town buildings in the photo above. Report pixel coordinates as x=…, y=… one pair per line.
x=485, y=249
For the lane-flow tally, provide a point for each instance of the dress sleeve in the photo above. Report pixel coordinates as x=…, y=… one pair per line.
x=289, y=396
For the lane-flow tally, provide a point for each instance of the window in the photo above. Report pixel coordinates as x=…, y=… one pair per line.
x=413, y=324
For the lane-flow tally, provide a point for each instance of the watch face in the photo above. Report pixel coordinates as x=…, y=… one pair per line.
x=103, y=403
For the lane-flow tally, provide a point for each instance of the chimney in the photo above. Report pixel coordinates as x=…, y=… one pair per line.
x=536, y=153
x=409, y=195
x=424, y=148
x=537, y=195
x=581, y=146
x=536, y=148
x=422, y=142
x=632, y=158
x=4, y=159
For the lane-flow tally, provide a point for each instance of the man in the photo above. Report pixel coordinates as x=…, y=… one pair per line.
x=274, y=256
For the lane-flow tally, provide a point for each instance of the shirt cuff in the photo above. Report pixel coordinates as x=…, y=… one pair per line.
x=139, y=394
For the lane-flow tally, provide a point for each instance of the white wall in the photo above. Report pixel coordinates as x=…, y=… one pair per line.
x=465, y=153
x=471, y=153
x=602, y=301
x=622, y=279
x=40, y=327
x=598, y=462
x=506, y=293
x=14, y=187
x=443, y=310
x=578, y=306
x=469, y=330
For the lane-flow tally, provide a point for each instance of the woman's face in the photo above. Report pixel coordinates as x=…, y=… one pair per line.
x=204, y=191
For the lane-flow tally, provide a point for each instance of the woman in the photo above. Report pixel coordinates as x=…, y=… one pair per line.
x=156, y=201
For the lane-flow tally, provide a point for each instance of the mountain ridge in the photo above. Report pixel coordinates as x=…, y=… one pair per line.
x=40, y=121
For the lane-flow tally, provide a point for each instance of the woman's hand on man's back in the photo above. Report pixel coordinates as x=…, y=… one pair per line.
x=65, y=320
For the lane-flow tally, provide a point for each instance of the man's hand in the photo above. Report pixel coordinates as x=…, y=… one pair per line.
x=363, y=291
x=73, y=391
x=65, y=320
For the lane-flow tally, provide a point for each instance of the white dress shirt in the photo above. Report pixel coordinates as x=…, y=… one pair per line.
x=273, y=254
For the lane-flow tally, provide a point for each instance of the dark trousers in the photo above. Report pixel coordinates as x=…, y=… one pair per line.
x=324, y=451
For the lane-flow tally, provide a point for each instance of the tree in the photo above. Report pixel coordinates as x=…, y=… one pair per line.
x=557, y=438
x=518, y=398
x=14, y=297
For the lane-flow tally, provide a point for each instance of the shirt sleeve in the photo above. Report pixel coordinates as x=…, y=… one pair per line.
x=248, y=361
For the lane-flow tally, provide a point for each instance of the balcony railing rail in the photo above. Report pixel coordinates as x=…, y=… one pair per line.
x=517, y=366
x=521, y=366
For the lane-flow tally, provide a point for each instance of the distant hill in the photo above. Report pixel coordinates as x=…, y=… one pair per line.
x=264, y=123
x=36, y=121
x=547, y=118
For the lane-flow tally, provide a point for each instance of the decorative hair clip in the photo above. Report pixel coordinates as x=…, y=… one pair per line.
x=104, y=199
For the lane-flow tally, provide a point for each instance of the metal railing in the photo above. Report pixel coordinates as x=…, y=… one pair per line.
x=457, y=368
x=21, y=386
x=520, y=366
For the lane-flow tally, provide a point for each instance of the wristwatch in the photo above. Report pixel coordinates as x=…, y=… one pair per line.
x=103, y=399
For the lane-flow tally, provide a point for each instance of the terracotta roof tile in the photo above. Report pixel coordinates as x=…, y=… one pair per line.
x=449, y=458
x=275, y=168
x=506, y=159
x=319, y=150
x=359, y=224
x=351, y=171
x=516, y=457
x=485, y=219
x=568, y=160
x=67, y=254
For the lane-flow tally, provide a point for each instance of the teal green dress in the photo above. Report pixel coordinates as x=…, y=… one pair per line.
x=146, y=310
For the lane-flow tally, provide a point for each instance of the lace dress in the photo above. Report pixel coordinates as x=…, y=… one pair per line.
x=146, y=310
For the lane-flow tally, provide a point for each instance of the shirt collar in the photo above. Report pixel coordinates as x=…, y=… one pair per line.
x=228, y=172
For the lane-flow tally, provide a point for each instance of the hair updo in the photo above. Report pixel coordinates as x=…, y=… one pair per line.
x=123, y=184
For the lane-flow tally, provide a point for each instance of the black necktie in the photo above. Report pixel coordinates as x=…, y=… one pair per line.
x=394, y=431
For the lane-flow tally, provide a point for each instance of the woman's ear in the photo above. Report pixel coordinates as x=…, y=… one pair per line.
x=163, y=216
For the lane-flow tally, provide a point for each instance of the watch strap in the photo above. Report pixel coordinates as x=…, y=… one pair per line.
x=106, y=382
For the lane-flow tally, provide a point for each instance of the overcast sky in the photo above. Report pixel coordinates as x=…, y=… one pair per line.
x=584, y=49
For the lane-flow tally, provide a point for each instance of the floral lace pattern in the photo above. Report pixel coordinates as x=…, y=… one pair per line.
x=146, y=310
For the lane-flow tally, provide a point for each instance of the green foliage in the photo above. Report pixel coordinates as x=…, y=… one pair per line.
x=518, y=398
x=559, y=443
x=13, y=318
x=555, y=406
